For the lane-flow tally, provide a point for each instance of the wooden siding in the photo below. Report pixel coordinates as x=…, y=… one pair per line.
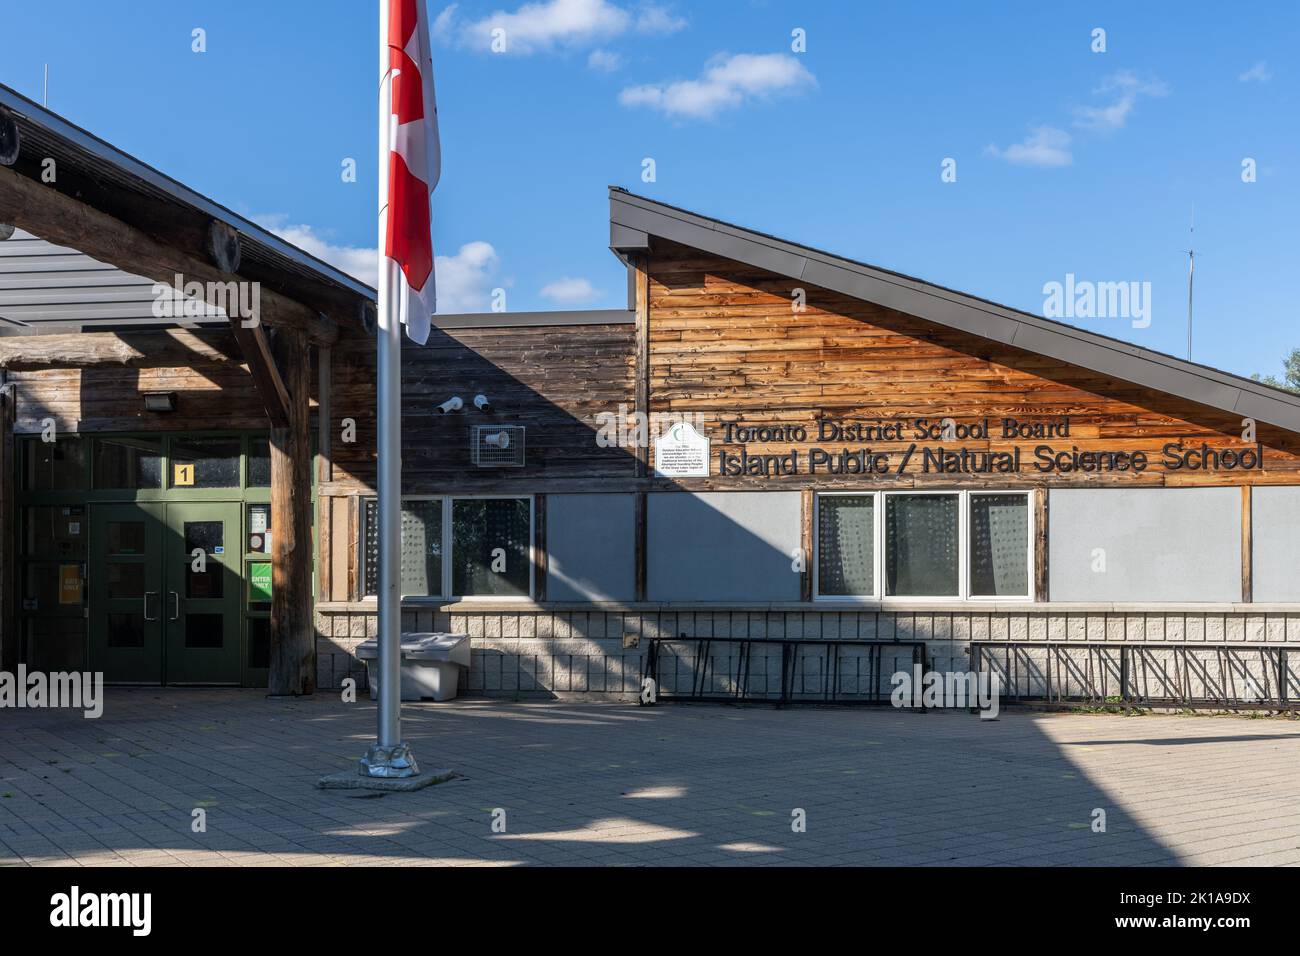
x=725, y=343
x=554, y=380
x=209, y=396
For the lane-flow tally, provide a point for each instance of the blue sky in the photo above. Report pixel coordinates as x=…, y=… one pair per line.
x=1068, y=161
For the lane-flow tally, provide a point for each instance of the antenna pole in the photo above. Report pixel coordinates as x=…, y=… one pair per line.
x=1191, y=275
x=45, y=95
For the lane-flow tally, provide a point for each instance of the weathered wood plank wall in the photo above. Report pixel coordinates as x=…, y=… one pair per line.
x=725, y=343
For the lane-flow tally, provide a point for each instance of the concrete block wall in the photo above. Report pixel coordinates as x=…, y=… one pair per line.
x=599, y=652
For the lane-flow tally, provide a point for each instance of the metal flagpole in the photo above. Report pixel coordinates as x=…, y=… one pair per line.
x=389, y=756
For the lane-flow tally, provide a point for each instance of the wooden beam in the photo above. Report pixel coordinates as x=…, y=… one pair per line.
x=324, y=415
x=293, y=637
x=1247, y=546
x=224, y=247
x=64, y=221
x=10, y=140
x=806, y=508
x=640, y=546
x=642, y=362
x=270, y=386
x=1040, y=545
x=540, y=553
x=173, y=348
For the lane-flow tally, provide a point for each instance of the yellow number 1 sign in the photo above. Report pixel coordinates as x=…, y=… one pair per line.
x=182, y=475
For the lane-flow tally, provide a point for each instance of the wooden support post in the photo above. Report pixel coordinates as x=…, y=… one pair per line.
x=1247, y=547
x=355, y=584
x=807, y=505
x=293, y=638
x=640, y=546
x=540, y=556
x=270, y=386
x=324, y=473
x=642, y=363
x=1040, y=545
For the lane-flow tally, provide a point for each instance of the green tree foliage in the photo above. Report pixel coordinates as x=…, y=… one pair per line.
x=1291, y=374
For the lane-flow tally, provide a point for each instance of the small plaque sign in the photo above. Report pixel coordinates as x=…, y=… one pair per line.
x=682, y=452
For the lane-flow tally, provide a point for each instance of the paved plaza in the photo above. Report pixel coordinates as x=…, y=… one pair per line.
x=607, y=783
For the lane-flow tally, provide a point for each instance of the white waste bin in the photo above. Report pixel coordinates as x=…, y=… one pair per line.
x=431, y=664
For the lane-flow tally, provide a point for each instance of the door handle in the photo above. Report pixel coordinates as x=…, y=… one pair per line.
x=176, y=605
x=146, y=605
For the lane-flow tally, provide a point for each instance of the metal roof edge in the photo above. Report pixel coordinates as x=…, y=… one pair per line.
x=1199, y=383
x=105, y=151
x=490, y=320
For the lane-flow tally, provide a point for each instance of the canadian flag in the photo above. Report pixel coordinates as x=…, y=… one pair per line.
x=410, y=164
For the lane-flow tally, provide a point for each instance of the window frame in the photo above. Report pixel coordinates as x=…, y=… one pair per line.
x=448, y=556
x=878, y=577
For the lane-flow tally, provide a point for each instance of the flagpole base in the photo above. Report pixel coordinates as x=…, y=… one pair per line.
x=388, y=762
x=385, y=768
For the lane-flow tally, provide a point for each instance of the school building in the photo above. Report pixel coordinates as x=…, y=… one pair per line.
x=776, y=474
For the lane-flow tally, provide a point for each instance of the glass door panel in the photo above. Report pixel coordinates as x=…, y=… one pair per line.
x=202, y=554
x=126, y=596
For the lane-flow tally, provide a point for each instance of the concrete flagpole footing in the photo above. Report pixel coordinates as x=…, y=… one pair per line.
x=385, y=768
x=351, y=780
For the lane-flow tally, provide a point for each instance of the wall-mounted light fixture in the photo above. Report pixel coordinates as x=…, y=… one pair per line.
x=453, y=404
x=160, y=401
x=481, y=403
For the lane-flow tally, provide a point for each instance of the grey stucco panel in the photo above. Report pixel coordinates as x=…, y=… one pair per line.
x=722, y=546
x=1275, y=543
x=591, y=547
x=1160, y=544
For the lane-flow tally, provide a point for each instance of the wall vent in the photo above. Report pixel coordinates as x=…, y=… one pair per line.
x=497, y=446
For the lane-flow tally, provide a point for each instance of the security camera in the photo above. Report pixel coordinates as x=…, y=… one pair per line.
x=481, y=403
x=453, y=404
x=498, y=440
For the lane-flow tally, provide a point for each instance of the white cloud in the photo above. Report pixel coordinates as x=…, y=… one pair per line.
x=464, y=279
x=604, y=61
x=658, y=20
x=727, y=82
x=570, y=291
x=547, y=25
x=360, y=262
x=1126, y=88
x=1259, y=73
x=1045, y=146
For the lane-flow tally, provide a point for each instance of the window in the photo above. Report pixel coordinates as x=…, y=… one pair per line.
x=999, y=545
x=57, y=465
x=924, y=545
x=846, y=556
x=206, y=462
x=259, y=463
x=489, y=541
x=128, y=463
x=491, y=547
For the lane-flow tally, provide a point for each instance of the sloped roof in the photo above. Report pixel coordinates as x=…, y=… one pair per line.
x=634, y=219
x=121, y=185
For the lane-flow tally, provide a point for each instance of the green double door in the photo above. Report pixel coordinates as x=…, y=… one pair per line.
x=165, y=592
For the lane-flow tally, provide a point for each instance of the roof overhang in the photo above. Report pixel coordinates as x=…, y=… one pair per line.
x=108, y=180
x=635, y=220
